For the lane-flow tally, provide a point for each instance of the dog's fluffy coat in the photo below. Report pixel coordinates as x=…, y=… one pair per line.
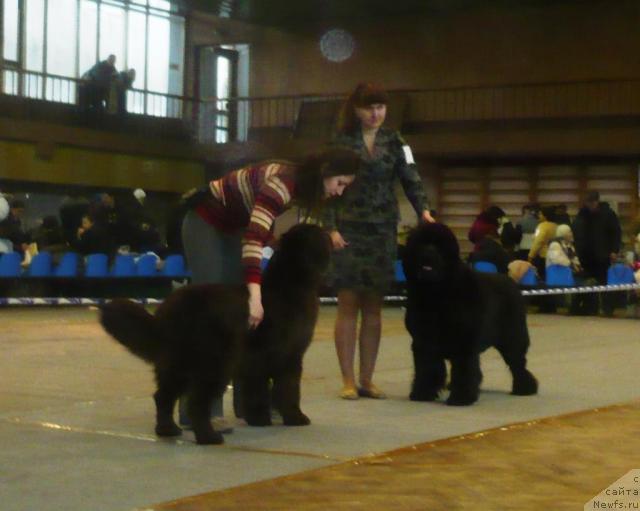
x=198, y=339
x=454, y=313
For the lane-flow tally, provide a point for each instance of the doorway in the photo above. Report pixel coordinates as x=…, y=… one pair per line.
x=216, y=90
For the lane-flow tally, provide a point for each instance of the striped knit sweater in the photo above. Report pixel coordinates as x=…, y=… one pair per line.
x=250, y=198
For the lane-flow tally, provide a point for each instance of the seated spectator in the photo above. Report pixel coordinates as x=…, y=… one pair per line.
x=103, y=212
x=5, y=244
x=528, y=224
x=491, y=250
x=137, y=228
x=72, y=209
x=562, y=251
x=48, y=237
x=485, y=223
x=11, y=227
x=92, y=237
x=510, y=236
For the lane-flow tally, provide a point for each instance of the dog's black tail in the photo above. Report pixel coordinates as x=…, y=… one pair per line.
x=132, y=326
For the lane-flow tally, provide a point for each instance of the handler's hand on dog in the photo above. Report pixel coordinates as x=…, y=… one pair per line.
x=426, y=217
x=256, y=312
x=337, y=240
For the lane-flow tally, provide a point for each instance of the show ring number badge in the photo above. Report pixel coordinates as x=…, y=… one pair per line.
x=623, y=494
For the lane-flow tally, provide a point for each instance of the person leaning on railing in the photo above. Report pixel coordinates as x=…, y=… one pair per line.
x=94, y=89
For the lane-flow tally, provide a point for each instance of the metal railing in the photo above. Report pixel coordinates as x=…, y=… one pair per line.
x=215, y=120
x=560, y=100
x=64, y=89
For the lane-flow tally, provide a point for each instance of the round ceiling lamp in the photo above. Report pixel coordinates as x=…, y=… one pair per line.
x=337, y=45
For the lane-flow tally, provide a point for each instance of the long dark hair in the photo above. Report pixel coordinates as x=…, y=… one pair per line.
x=363, y=95
x=310, y=173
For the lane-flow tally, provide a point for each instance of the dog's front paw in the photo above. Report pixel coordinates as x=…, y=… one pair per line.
x=296, y=419
x=208, y=437
x=524, y=385
x=461, y=399
x=168, y=429
x=258, y=419
x=423, y=395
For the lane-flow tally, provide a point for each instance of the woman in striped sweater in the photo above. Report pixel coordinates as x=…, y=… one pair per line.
x=233, y=218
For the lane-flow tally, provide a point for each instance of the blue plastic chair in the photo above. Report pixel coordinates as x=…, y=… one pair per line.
x=124, y=266
x=10, y=264
x=97, y=266
x=146, y=266
x=529, y=278
x=558, y=275
x=399, y=271
x=68, y=265
x=485, y=267
x=174, y=266
x=41, y=265
x=620, y=274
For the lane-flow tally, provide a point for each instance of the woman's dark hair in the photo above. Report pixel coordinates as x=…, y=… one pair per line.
x=495, y=212
x=334, y=161
x=549, y=213
x=363, y=95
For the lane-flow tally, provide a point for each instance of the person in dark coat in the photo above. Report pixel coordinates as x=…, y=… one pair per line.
x=124, y=82
x=11, y=227
x=72, y=209
x=49, y=237
x=94, y=91
x=92, y=237
x=486, y=223
x=597, y=234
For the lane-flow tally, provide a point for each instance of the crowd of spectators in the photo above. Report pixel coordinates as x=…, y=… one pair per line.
x=546, y=235
x=103, y=223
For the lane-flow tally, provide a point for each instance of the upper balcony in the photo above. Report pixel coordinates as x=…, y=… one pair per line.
x=599, y=117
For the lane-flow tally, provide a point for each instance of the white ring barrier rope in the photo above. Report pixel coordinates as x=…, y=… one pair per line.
x=52, y=301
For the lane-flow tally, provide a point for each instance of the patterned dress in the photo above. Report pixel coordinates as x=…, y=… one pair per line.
x=367, y=214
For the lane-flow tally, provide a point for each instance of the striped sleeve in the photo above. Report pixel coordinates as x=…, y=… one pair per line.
x=271, y=200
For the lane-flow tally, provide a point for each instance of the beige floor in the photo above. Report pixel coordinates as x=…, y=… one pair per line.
x=76, y=418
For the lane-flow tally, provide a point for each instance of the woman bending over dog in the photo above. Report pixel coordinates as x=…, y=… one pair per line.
x=230, y=221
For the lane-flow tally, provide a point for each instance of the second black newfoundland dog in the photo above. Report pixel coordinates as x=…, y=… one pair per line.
x=198, y=338
x=454, y=313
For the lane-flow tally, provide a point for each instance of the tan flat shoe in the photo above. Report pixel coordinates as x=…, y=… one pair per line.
x=372, y=392
x=350, y=393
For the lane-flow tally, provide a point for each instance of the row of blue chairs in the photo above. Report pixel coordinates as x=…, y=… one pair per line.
x=558, y=275
x=71, y=265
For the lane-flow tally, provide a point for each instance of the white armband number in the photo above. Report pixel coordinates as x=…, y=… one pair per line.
x=408, y=155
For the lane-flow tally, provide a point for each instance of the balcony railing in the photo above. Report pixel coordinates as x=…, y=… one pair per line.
x=215, y=120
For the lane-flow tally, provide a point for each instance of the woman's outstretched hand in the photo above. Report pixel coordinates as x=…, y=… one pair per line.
x=256, y=312
x=337, y=240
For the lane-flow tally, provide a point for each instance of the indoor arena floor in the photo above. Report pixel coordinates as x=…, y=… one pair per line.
x=76, y=428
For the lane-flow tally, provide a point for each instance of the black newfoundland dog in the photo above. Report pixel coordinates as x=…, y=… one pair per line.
x=454, y=313
x=198, y=338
